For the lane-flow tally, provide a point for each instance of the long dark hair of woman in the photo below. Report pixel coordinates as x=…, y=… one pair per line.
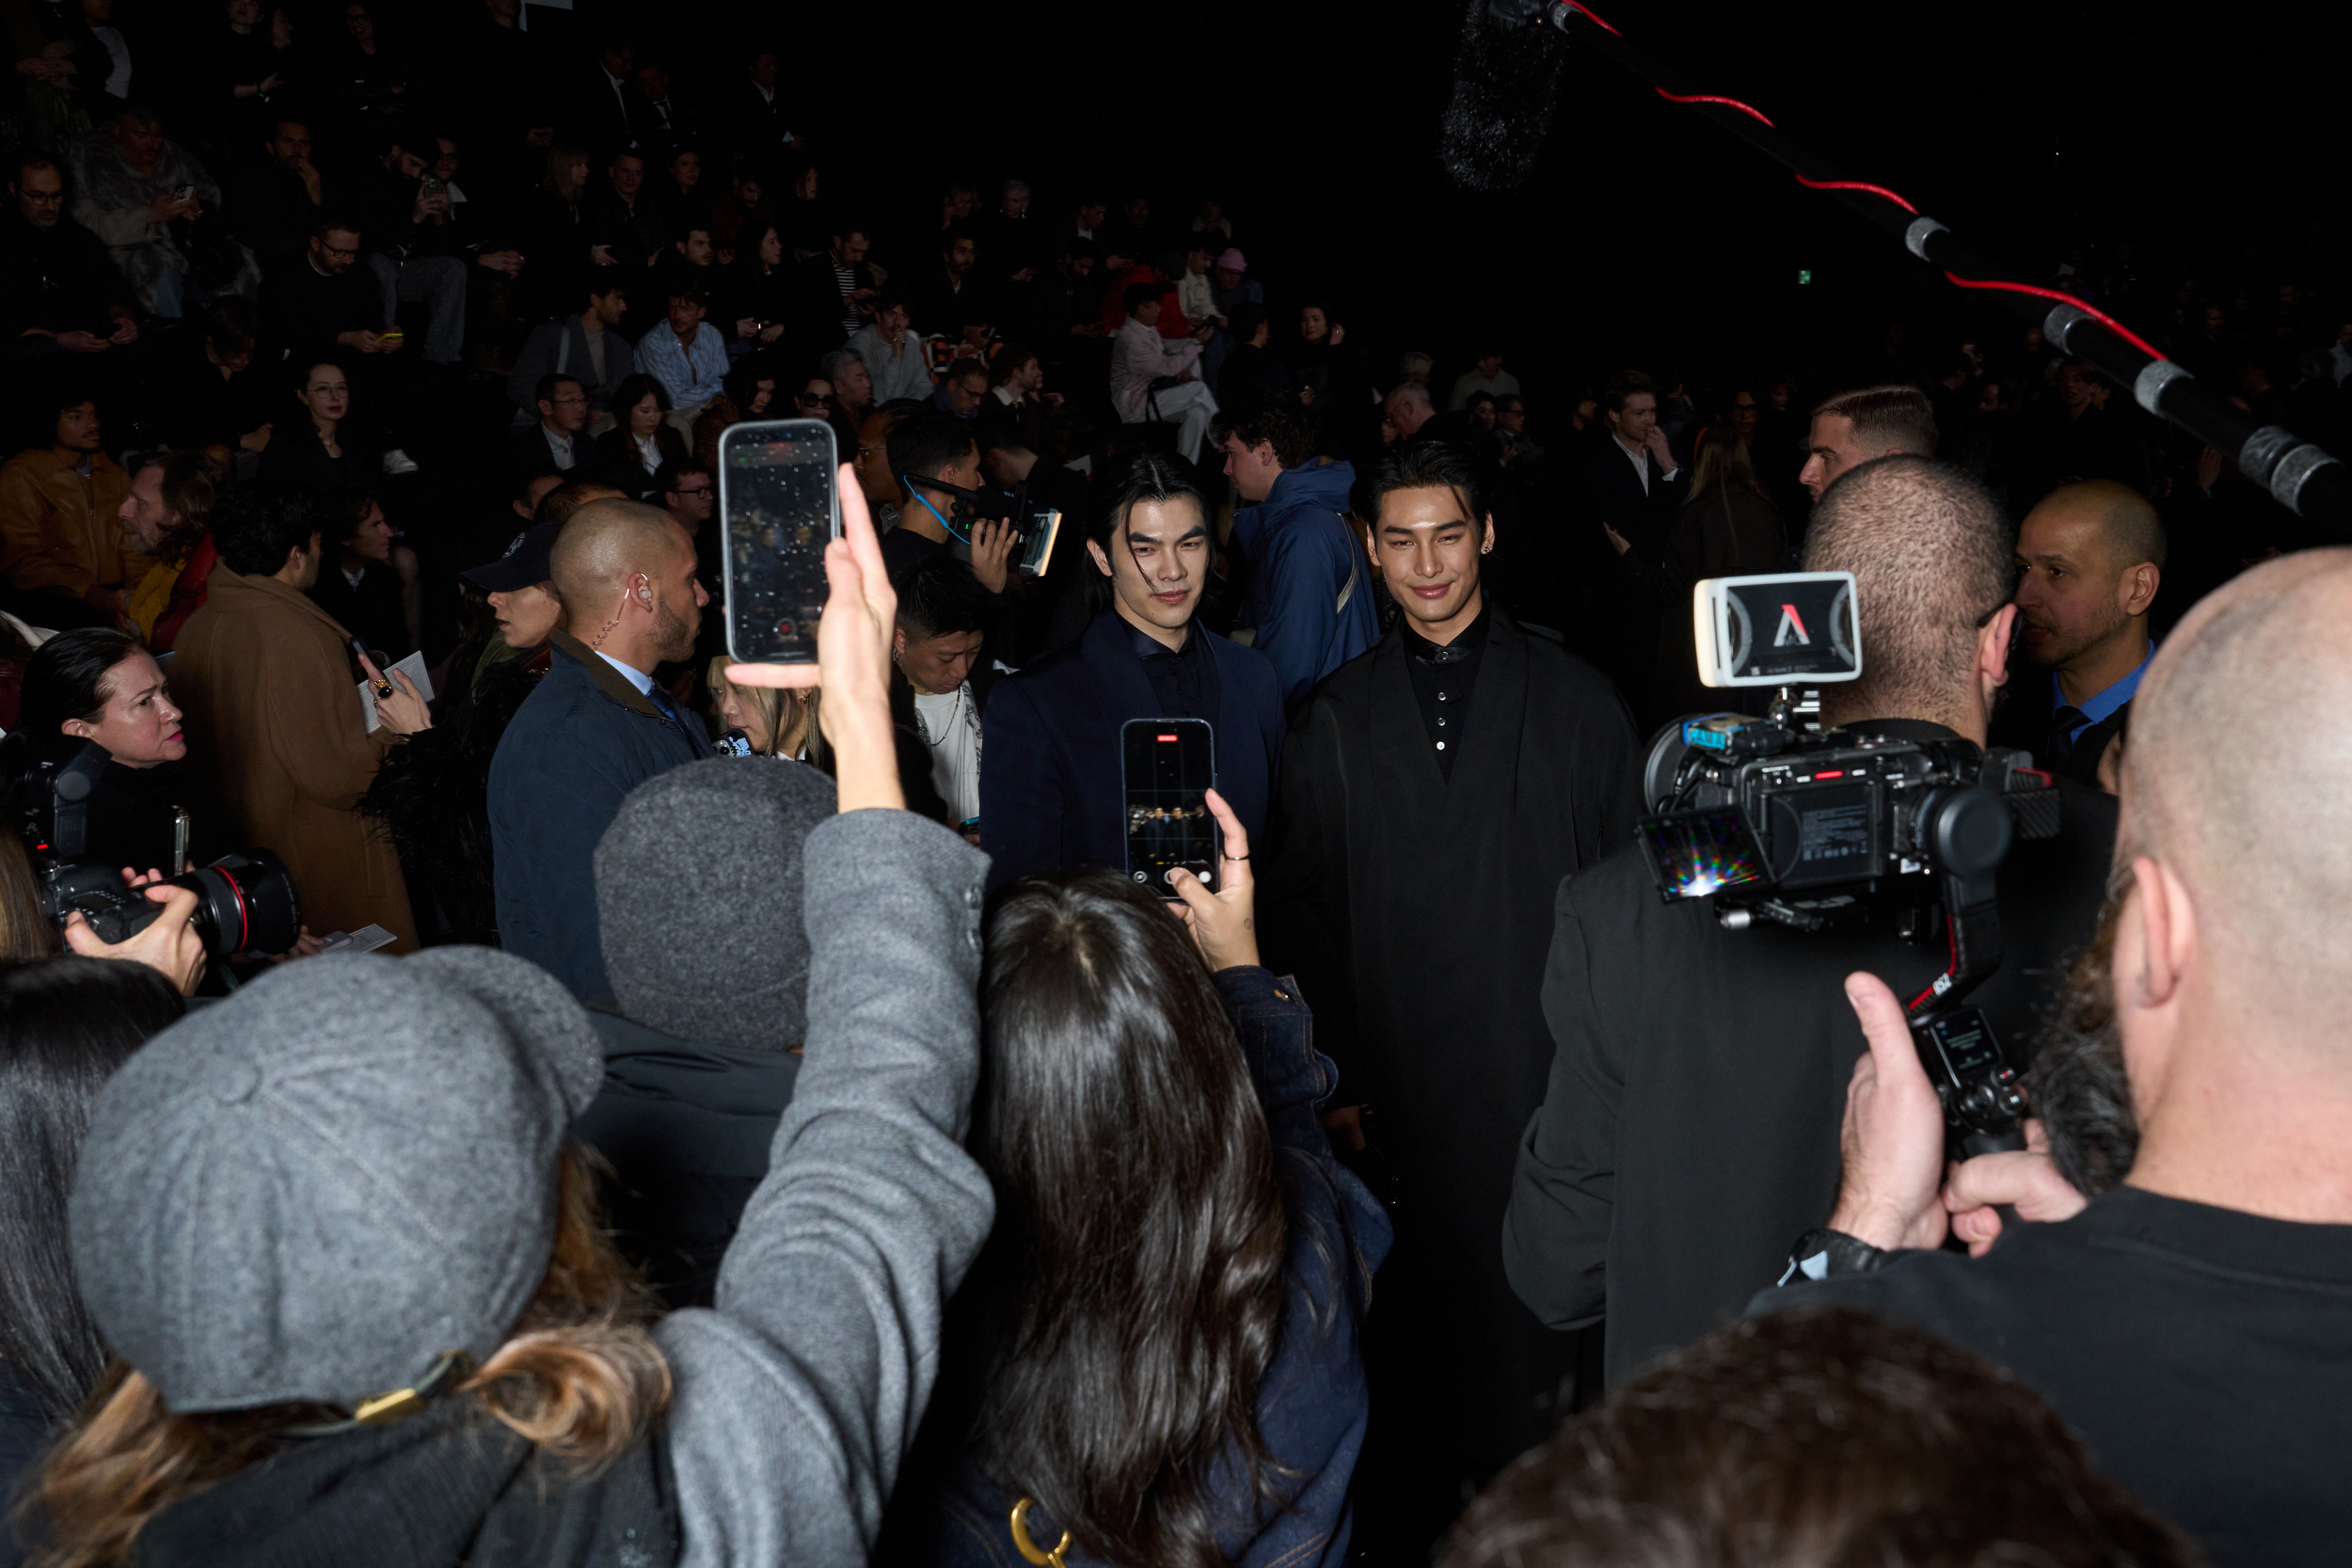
x=1135, y=1281
x=66, y=1024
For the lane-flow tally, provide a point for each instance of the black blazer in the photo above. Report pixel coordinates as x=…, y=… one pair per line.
x=617, y=463
x=530, y=452
x=1050, y=790
x=297, y=456
x=1609, y=492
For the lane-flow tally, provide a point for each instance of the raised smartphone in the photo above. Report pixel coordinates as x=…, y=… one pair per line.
x=779, y=505
x=1168, y=768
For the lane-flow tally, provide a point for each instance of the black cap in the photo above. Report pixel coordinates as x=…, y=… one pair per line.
x=525, y=564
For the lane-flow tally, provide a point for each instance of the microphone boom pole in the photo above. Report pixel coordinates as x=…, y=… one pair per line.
x=2300, y=475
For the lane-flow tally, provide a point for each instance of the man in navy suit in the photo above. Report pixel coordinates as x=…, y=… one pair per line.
x=1051, y=795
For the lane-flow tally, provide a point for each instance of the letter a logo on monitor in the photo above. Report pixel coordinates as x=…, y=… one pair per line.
x=1791, y=628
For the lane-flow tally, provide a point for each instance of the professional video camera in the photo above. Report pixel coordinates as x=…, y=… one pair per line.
x=1778, y=819
x=245, y=903
x=1036, y=526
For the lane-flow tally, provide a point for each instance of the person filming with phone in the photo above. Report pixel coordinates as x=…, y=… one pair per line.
x=1052, y=795
x=1675, y=1034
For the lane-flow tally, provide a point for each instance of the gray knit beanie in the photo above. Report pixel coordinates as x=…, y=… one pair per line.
x=313, y=1190
x=698, y=900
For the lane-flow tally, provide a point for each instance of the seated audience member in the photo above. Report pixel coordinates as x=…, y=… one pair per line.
x=1049, y=795
x=58, y=286
x=1609, y=1217
x=943, y=690
x=433, y=794
x=1251, y=373
x=274, y=723
x=2089, y=559
x=408, y=242
x=1486, y=376
x=558, y=442
x=1188, y=1290
x=368, y=583
x=317, y=301
x=97, y=684
x=320, y=448
x=1814, y=1437
x=276, y=199
x=689, y=492
x=1308, y=597
x=2183, y=1321
x=893, y=356
x=445, y=1086
x=169, y=510
x=61, y=544
x=963, y=388
x=853, y=389
x=836, y=290
x=211, y=394
x=707, y=1013
x=594, y=728
x=1140, y=358
x=127, y=180
x=624, y=225
x=772, y=723
x=1231, y=287
x=66, y=1026
x=629, y=456
x=587, y=346
x=1018, y=399
x=1853, y=428
x=687, y=355
x=933, y=446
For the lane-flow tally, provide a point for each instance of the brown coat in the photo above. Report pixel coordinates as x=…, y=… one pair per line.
x=275, y=727
x=62, y=533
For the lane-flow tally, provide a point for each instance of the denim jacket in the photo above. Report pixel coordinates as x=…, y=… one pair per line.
x=1311, y=1404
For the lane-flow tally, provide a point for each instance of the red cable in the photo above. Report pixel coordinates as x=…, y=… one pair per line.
x=1857, y=185
x=1707, y=98
x=2092, y=311
x=1595, y=16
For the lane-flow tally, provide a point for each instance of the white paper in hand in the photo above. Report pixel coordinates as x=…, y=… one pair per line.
x=412, y=667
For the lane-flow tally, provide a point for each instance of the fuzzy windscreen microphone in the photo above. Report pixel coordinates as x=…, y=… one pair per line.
x=1507, y=79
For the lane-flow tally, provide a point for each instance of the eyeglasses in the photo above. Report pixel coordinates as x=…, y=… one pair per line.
x=693, y=490
x=815, y=400
x=338, y=250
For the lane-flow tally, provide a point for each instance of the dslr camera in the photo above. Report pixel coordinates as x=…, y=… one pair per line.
x=1777, y=819
x=245, y=902
x=1035, y=528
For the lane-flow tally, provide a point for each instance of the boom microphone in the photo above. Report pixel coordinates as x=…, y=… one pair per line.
x=1507, y=79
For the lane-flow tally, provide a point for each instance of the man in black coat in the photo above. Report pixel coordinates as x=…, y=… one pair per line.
x=2089, y=559
x=318, y=300
x=274, y=199
x=1626, y=486
x=1690, y=1128
x=1441, y=785
x=708, y=1009
x=58, y=285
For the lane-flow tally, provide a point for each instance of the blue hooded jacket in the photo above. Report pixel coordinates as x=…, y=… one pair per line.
x=1302, y=556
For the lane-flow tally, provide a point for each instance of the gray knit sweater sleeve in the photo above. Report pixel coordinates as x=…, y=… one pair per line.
x=798, y=1394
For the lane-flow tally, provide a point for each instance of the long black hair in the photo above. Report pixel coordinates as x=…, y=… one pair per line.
x=66, y=1024
x=1133, y=1291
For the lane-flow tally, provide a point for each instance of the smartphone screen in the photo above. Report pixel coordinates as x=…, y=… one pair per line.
x=1168, y=766
x=778, y=508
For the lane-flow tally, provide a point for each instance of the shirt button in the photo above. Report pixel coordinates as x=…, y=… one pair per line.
x=1440, y=745
x=1441, y=696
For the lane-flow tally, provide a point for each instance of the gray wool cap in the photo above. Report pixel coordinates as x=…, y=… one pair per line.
x=698, y=900
x=313, y=1190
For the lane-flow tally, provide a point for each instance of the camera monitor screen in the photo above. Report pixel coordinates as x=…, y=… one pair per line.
x=778, y=509
x=1693, y=853
x=1170, y=766
x=1790, y=629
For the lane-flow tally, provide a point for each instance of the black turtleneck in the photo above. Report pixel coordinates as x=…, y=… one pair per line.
x=1444, y=680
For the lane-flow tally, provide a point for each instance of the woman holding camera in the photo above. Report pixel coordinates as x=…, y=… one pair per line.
x=1156, y=1358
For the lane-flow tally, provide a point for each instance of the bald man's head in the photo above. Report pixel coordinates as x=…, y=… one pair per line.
x=606, y=543
x=1929, y=552
x=2089, y=559
x=2233, y=774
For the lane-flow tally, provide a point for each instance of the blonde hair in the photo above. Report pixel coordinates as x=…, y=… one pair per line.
x=580, y=1378
x=780, y=710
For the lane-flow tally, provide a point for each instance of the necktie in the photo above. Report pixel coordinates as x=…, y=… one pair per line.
x=671, y=711
x=2063, y=725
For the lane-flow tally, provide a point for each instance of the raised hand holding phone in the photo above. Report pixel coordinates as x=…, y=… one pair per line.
x=1223, y=923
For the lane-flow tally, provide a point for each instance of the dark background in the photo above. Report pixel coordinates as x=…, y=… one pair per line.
x=2204, y=140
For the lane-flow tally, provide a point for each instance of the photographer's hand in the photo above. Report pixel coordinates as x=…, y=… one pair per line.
x=169, y=944
x=992, y=553
x=1893, y=1139
x=852, y=662
x=1223, y=923
x=2026, y=1182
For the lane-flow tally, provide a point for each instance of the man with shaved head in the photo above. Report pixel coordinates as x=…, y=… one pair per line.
x=2190, y=1323
x=2089, y=559
x=595, y=727
x=1690, y=1126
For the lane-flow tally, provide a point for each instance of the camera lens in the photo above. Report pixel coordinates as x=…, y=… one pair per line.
x=245, y=903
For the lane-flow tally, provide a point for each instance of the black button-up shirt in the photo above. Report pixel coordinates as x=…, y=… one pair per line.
x=1174, y=674
x=1444, y=680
